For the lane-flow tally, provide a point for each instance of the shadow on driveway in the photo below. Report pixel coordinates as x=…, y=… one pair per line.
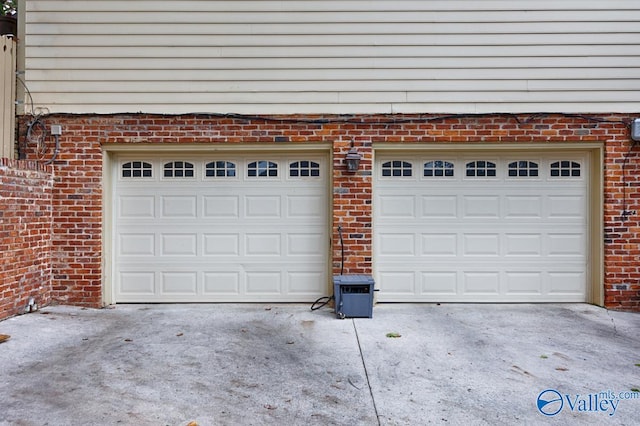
x=252, y=364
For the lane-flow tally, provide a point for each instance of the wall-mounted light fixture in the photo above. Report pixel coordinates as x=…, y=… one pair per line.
x=635, y=129
x=353, y=159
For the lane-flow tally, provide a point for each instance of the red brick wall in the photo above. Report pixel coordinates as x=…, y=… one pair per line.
x=352, y=209
x=25, y=235
x=77, y=209
x=78, y=192
x=622, y=225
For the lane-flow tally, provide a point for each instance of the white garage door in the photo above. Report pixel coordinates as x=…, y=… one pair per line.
x=481, y=228
x=211, y=228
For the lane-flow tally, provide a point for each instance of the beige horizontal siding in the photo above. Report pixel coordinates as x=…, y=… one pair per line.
x=110, y=86
x=366, y=16
x=333, y=56
x=177, y=42
x=342, y=28
x=601, y=50
x=340, y=63
x=351, y=97
x=170, y=6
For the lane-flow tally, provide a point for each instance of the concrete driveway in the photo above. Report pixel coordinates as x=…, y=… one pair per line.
x=284, y=364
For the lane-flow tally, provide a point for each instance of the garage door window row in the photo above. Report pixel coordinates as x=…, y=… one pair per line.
x=480, y=168
x=220, y=169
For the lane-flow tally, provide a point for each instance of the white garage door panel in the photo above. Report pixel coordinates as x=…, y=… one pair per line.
x=221, y=282
x=481, y=239
x=136, y=283
x=221, y=206
x=178, y=206
x=136, y=206
x=232, y=238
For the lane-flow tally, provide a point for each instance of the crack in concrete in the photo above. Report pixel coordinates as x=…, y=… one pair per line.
x=366, y=373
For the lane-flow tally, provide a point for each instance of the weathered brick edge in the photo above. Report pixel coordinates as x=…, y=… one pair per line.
x=77, y=191
x=25, y=235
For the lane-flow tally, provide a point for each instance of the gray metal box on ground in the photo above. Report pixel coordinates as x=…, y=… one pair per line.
x=353, y=296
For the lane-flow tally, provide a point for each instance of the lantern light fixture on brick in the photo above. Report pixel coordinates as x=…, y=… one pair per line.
x=353, y=159
x=635, y=129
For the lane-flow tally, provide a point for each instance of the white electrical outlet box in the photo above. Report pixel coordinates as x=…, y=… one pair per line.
x=56, y=129
x=635, y=129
